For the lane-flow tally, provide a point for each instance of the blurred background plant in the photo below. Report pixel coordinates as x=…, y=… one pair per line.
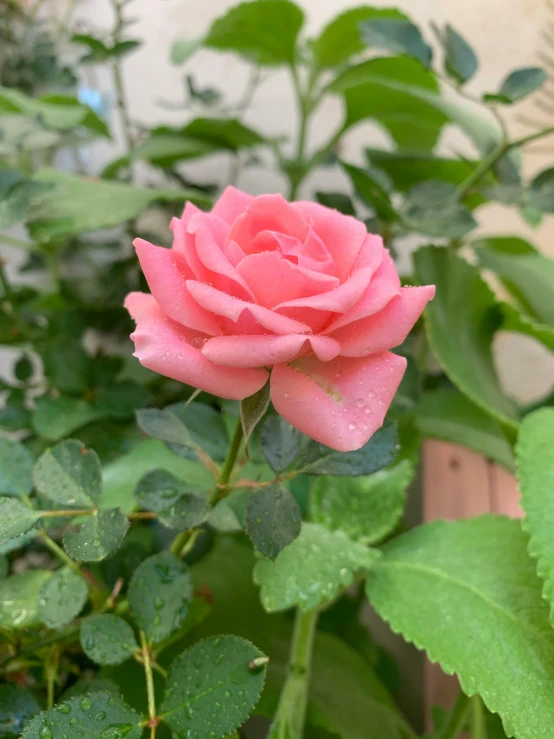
x=64, y=332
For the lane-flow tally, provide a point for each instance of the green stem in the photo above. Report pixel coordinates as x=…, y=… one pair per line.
x=153, y=722
x=478, y=728
x=456, y=720
x=6, y=287
x=18, y=243
x=58, y=552
x=51, y=672
x=291, y=712
x=232, y=454
x=532, y=137
x=121, y=97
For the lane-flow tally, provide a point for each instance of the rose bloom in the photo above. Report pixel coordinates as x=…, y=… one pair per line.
x=296, y=293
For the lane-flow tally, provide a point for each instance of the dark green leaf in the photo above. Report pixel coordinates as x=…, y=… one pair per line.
x=100, y=534
x=205, y=426
x=467, y=593
x=23, y=369
x=228, y=515
x=107, y=639
x=188, y=512
x=159, y=489
x=370, y=189
x=224, y=133
x=98, y=715
x=15, y=416
x=15, y=519
x=62, y=598
x=166, y=148
x=311, y=570
x=264, y=31
x=451, y=416
x=460, y=323
x=398, y=36
x=92, y=42
x=521, y=323
x=535, y=469
x=19, y=598
x=338, y=201
x=66, y=364
x=17, y=707
x=380, y=450
x=541, y=191
x=433, y=208
x=528, y=274
x=364, y=508
x=280, y=443
x=69, y=474
x=273, y=519
x=183, y=49
x=460, y=58
x=341, y=38
x=81, y=204
x=4, y=567
x=16, y=464
x=55, y=418
x=252, y=410
x=519, y=84
x=124, y=47
x=211, y=690
x=120, y=401
x=160, y=593
x=163, y=425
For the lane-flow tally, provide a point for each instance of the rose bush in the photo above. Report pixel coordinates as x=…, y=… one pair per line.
x=297, y=292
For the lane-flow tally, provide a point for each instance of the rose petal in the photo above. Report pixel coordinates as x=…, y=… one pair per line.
x=371, y=253
x=266, y=213
x=222, y=304
x=340, y=403
x=166, y=272
x=385, y=329
x=136, y=303
x=266, y=350
x=384, y=286
x=166, y=347
x=231, y=204
x=183, y=243
x=340, y=299
x=342, y=235
x=220, y=272
x=274, y=279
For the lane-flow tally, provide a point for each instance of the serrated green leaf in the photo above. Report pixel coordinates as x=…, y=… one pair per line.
x=280, y=443
x=380, y=450
x=541, y=192
x=211, y=690
x=228, y=514
x=467, y=593
x=177, y=506
x=160, y=593
x=433, y=208
x=451, y=416
x=93, y=715
x=99, y=535
x=121, y=400
x=329, y=561
x=107, y=639
x=461, y=322
x=66, y=364
x=371, y=191
x=521, y=323
x=264, y=31
x=364, y=508
x=340, y=39
x=188, y=512
x=252, y=410
x=19, y=598
x=183, y=49
x=15, y=519
x=337, y=201
x=17, y=707
x=535, y=471
x=205, y=426
x=16, y=464
x=62, y=598
x=69, y=474
x=526, y=273
x=398, y=36
x=460, y=59
x=55, y=418
x=273, y=519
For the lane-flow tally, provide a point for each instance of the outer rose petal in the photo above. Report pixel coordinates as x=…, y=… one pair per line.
x=339, y=403
x=231, y=204
x=136, y=303
x=165, y=347
x=166, y=273
x=385, y=329
x=274, y=279
x=266, y=350
x=222, y=304
x=183, y=243
x=384, y=286
x=342, y=235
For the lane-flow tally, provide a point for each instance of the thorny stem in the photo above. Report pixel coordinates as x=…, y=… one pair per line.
x=146, y=657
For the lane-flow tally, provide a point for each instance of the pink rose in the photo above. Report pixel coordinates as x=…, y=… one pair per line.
x=296, y=292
